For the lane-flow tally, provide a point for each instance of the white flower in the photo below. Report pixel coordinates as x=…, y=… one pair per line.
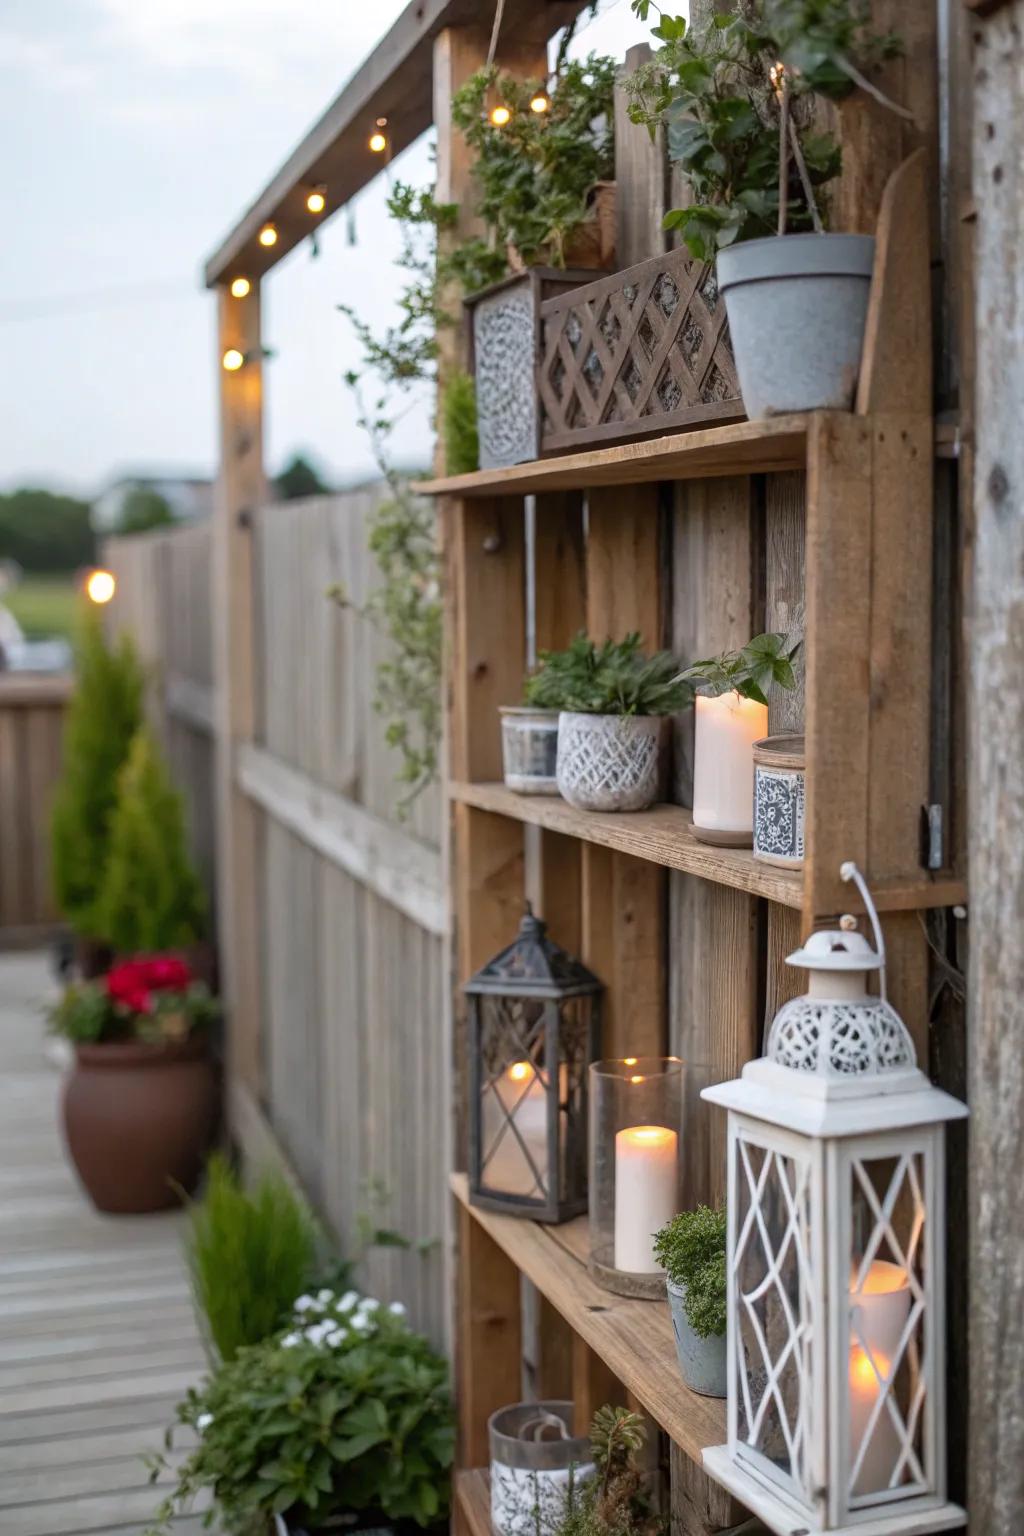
x=348, y=1301
x=304, y=1304
x=337, y=1337
x=204, y=1421
x=319, y=1332
x=325, y=1296
x=361, y=1322
x=368, y=1304
x=290, y=1340
x=397, y=1309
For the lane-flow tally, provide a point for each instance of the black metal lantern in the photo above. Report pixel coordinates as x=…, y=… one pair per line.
x=534, y=1023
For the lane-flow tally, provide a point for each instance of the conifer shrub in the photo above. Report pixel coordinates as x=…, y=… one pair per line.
x=104, y=714
x=150, y=898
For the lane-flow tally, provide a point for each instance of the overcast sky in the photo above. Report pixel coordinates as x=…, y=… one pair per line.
x=134, y=132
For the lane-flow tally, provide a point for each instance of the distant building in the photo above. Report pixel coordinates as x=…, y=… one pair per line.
x=189, y=497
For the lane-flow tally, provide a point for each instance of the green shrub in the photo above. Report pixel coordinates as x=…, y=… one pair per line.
x=691, y=1250
x=346, y=1414
x=250, y=1253
x=104, y=714
x=614, y=678
x=461, y=443
x=150, y=898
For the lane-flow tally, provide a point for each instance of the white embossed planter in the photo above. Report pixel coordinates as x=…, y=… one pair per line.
x=609, y=762
x=538, y=1467
x=529, y=749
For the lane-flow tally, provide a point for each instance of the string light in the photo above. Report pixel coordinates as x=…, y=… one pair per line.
x=379, y=139
x=540, y=102
x=268, y=234
x=232, y=360
x=500, y=115
x=316, y=200
x=100, y=586
x=240, y=287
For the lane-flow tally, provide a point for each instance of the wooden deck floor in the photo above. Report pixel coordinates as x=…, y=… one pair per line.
x=97, y=1336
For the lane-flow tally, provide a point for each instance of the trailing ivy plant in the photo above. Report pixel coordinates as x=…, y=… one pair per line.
x=614, y=678
x=691, y=1251
x=750, y=671
x=727, y=94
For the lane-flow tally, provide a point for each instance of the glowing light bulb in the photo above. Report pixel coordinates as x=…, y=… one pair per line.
x=232, y=360
x=316, y=201
x=500, y=115
x=100, y=586
x=268, y=235
x=240, y=287
x=378, y=143
x=540, y=102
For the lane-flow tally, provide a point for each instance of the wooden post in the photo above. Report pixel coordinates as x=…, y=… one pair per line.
x=996, y=793
x=241, y=489
x=489, y=1337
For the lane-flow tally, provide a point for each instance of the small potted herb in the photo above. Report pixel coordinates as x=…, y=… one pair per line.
x=140, y=1104
x=731, y=710
x=614, y=701
x=342, y=1420
x=617, y=1502
x=691, y=1250
x=739, y=98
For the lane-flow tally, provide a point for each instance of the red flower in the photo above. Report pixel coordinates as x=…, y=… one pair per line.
x=132, y=982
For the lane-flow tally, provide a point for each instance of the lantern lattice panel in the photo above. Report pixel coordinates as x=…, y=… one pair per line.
x=887, y=1329
x=639, y=351
x=775, y=1318
x=849, y=1039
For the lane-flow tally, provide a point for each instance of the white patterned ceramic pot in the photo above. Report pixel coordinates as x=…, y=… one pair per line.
x=779, y=801
x=529, y=749
x=609, y=762
x=538, y=1467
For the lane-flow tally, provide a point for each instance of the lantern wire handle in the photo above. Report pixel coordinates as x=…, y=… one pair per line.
x=849, y=871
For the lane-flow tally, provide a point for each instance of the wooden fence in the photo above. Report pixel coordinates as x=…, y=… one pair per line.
x=31, y=727
x=349, y=902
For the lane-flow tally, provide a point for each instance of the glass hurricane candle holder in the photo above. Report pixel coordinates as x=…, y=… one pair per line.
x=635, y=1168
x=537, y=1467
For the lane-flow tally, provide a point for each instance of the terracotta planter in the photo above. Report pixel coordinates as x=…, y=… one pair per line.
x=138, y=1121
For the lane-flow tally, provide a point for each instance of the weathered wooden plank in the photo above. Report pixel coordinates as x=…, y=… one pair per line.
x=489, y=1338
x=641, y=177
x=81, y=1450
x=95, y=1513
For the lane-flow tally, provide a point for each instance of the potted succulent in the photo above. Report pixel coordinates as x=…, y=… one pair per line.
x=691, y=1250
x=618, y=1501
x=731, y=710
x=614, y=702
x=738, y=98
x=341, y=1420
x=140, y=1104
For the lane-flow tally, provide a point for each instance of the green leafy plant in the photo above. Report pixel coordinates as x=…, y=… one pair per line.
x=691, y=1250
x=251, y=1251
x=150, y=897
x=461, y=443
x=104, y=714
x=616, y=1502
x=750, y=672
x=614, y=678
x=733, y=93
x=535, y=172
x=153, y=998
x=347, y=1411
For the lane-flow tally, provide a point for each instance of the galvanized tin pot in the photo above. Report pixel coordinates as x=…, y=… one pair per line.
x=779, y=800
x=529, y=749
x=701, y=1361
x=797, y=305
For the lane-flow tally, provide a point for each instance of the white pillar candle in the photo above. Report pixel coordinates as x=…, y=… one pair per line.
x=723, y=763
x=646, y=1192
x=882, y=1451
x=518, y=1093
x=880, y=1308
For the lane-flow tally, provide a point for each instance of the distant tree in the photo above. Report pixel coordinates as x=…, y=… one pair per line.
x=299, y=478
x=45, y=532
x=143, y=509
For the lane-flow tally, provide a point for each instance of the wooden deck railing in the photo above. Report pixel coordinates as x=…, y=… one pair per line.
x=32, y=708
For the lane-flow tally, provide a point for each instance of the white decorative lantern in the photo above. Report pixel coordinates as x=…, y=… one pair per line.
x=836, y=1248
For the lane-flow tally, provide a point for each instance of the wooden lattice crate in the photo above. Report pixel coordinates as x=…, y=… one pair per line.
x=634, y=353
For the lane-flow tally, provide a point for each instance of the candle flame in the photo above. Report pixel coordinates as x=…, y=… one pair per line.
x=519, y=1071
x=653, y=1134
x=636, y=1078
x=881, y=1280
x=866, y=1368
x=629, y=1061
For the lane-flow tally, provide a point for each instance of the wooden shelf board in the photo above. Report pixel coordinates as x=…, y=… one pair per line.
x=664, y=835
x=633, y=1338
x=740, y=448
x=473, y=1502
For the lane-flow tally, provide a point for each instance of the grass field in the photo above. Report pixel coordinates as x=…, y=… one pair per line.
x=44, y=606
